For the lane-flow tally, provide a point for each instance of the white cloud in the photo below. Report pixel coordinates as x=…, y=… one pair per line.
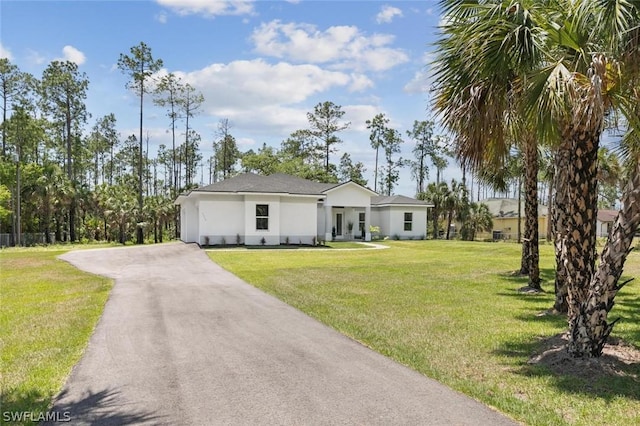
x=358, y=115
x=5, y=53
x=35, y=58
x=209, y=8
x=387, y=13
x=70, y=53
x=420, y=83
x=342, y=47
x=271, y=97
x=161, y=17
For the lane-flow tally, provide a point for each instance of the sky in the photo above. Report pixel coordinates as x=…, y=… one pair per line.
x=260, y=64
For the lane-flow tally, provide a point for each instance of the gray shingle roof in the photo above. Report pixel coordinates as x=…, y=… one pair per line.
x=277, y=183
x=397, y=199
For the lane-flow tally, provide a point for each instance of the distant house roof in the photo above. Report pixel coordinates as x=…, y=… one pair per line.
x=607, y=215
x=380, y=201
x=508, y=207
x=278, y=183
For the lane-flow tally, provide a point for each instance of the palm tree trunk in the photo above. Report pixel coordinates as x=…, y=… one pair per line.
x=559, y=228
x=591, y=330
x=579, y=252
x=530, y=246
x=449, y=219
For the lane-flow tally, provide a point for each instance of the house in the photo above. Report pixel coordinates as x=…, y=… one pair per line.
x=271, y=210
x=605, y=221
x=505, y=217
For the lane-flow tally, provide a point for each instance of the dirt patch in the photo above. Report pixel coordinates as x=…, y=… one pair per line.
x=618, y=359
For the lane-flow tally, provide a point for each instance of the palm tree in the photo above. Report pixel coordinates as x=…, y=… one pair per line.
x=554, y=66
x=455, y=201
x=436, y=193
x=482, y=100
x=478, y=219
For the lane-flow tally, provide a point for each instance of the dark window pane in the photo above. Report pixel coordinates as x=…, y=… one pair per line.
x=262, y=209
x=262, y=223
x=408, y=217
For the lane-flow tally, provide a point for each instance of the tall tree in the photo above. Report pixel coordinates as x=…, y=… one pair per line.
x=11, y=84
x=325, y=122
x=348, y=171
x=64, y=89
x=140, y=66
x=377, y=126
x=391, y=172
x=169, y=93
x=422, y=134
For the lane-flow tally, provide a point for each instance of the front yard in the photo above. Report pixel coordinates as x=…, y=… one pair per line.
x=450, y=310
x=48, y=312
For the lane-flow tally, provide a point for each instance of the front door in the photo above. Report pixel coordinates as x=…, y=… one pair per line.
x=339, y=224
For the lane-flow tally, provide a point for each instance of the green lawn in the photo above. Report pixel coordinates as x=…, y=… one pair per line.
x=48, y=310
x=451, y=311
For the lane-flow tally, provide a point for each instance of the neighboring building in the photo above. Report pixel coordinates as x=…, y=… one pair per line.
x=605, y=221
x=505, y=218
x=278, y=208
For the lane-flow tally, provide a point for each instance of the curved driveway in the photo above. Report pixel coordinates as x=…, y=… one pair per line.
x=184, y=342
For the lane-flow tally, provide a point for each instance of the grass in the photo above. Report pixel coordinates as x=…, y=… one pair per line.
x=48, y=312
x=450, y=310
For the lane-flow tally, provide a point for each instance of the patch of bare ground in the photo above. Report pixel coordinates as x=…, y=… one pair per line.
x=616, y=359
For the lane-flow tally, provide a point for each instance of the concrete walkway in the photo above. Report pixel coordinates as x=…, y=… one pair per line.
x=184, y=342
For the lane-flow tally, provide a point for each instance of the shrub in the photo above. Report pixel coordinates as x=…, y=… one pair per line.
x=223, y=241
x=206, y=241
x=263, y=241
x=313, y=241
x=238, y=240
x=286, y=240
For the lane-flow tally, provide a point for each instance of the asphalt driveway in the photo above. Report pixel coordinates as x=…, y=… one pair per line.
x=184, y=342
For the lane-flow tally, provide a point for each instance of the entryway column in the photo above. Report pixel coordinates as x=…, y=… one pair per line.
x=367, y=223
x=328, y=223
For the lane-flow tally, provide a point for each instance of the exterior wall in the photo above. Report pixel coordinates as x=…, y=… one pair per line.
x=298, y=220
x=602, y=228
x=189, y=221
x=254, y=236
x=221, y=217
x=390, y=219
x=509, y=228
x=350, y=195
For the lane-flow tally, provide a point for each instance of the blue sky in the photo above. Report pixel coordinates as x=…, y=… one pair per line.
x=261, y=64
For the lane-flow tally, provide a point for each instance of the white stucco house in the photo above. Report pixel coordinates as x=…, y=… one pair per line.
x=280, y=208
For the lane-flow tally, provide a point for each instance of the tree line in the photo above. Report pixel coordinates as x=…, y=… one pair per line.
x=73, y=177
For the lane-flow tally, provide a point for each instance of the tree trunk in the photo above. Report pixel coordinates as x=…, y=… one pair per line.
x=449, y=219
x=579, y=251
x=436, y=215
x=530, y=248
x=559, y=227
x=591, y=330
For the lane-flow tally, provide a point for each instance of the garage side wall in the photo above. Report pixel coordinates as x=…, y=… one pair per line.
x=222, y=220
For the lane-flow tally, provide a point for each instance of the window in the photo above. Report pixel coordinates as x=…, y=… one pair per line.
x=408, y=221
x=361, y=223
x=262, y=217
